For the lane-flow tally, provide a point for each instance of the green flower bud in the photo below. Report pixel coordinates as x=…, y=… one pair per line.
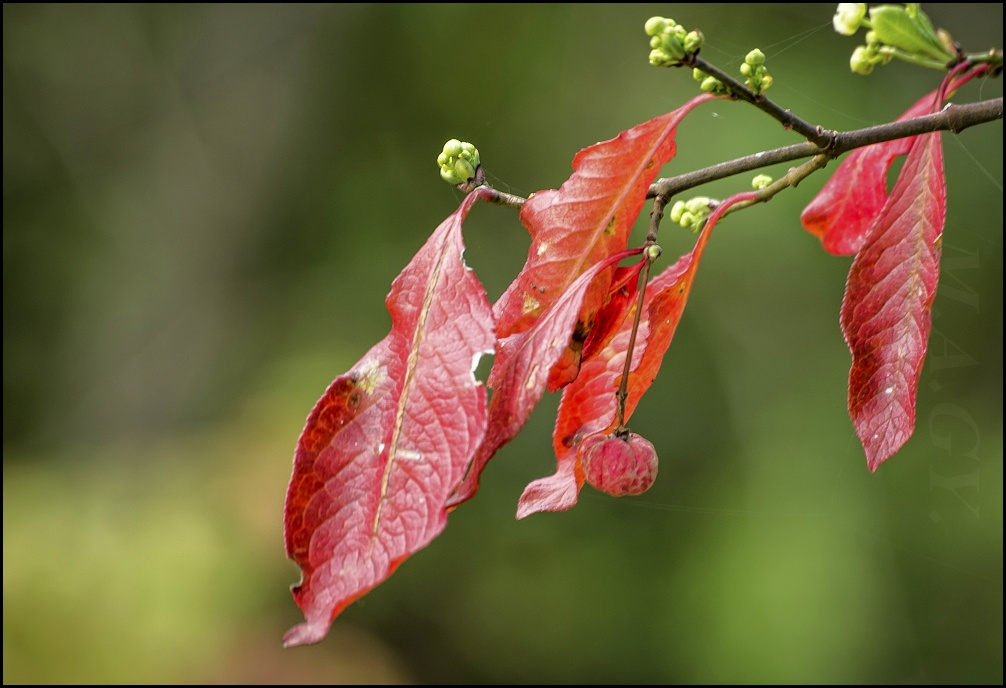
x=848, y=17
x=760, y=182
x=746, y=69
x=453, y=148
x=470, y=153
x=652, y=252
x=755, y=57
x=676, y=211
x=698, y=205
x=712, y=85
x=946, y=40
x=654, y=25
x=670, y=43
x=658, y=58
x=691, y=214
x=463, y=170
x=693, y=41
x=860, y=62
x=672, y=46
x=698, y=75
x=458, y=162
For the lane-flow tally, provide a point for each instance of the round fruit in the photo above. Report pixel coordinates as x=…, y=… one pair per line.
x=619, y=466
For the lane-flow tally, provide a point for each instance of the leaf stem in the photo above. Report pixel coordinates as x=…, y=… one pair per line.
x=623, y=387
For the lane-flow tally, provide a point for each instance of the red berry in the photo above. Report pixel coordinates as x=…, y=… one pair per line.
x=619, y=466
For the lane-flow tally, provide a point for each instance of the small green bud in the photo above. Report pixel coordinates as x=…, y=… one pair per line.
x=676, y=210
x=654, y=25
x=698, y=205
x=755, y=57
x=713, y=85
x=860, y=61
x=652, y=252
x=687, y=219
x=453, y=148
x=698, y=74
x=670, y=44
x=848, y=17
x=746, y=69
x=693, y=41
x=458, y=162
x=658, y=58
x=946, y=40
x=760, y=182
x=463, y=170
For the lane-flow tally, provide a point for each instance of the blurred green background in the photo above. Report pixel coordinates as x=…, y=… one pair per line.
x=204, y=207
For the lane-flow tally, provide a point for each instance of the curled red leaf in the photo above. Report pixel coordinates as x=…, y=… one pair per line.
x=389, y=440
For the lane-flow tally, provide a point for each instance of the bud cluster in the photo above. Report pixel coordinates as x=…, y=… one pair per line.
x=458, y=162
x=691, y=214
x=758, y=78
x=670, y=42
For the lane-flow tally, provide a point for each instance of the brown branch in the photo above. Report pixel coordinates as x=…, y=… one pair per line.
x=955, y=118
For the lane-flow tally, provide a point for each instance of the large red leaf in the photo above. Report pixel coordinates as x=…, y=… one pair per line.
x=588, y=219
x=521, y=369
x=844, y=210
x=390, y=439
x=588, y=404
x=886, y=312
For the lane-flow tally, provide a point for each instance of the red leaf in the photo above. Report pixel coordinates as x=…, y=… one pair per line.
x=621, y=298
x=588, y=219
x=886, y=312
x=844, y=210
x=594, y=330
x=521, y=368
x=588, y=404
x=390, y=439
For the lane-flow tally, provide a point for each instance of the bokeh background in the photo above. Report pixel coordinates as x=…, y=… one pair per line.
x=203, y=209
